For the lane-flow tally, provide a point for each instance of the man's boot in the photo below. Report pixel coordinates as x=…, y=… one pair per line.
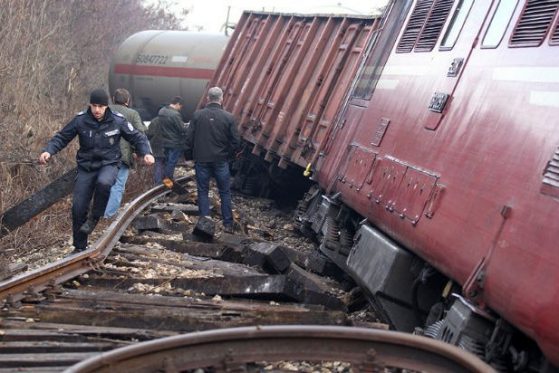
x=89, y=225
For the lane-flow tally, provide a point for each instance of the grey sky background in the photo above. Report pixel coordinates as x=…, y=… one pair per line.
x=211, y=15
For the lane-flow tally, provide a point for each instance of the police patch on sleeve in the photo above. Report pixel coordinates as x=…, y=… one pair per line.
x=130, y=126
x=112, y=133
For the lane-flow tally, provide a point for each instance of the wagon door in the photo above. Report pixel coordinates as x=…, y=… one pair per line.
x=439, y=47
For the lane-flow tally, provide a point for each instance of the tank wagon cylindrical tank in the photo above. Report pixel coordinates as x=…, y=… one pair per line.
x=156, y=65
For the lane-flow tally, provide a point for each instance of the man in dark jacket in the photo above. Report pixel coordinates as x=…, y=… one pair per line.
x=99, y=131
x=122, y=100
x=212, y=137
x=166, y=133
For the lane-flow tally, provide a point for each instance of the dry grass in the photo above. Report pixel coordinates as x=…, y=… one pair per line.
x=52, y=54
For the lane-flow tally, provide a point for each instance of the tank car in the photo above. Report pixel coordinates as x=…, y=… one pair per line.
x=431, y=138
x=155, y=66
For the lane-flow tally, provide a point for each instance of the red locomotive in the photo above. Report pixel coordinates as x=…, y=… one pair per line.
x=437, y=166
x=431, y=136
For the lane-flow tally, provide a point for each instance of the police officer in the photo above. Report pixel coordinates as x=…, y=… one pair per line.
x=99, y=131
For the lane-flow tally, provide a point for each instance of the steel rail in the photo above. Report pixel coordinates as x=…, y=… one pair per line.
x=368, y=350
x=33, y=282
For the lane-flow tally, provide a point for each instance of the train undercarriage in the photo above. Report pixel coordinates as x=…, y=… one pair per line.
x=404, y=291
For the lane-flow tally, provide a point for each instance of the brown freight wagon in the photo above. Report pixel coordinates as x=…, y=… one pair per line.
x=286, y=76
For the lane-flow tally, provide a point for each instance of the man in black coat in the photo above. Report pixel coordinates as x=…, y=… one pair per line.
x=99, y=131
x=166, y=133
x=212, y=138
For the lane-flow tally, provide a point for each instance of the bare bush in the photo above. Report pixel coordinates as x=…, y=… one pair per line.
x=52, y=54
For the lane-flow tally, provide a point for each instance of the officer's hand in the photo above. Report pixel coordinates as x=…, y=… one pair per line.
x=44, y=157
x=148, y=159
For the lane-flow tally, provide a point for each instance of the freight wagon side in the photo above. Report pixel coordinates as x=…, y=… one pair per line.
x=285, y=76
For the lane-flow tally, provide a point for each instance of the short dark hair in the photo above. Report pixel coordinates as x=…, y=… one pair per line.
x=177, y=100
x=121, y=97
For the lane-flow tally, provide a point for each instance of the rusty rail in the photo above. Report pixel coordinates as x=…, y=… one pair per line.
x=225, y=350
x=51, y=275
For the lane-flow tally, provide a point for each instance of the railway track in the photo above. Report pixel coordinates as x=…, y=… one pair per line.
x=148, y=279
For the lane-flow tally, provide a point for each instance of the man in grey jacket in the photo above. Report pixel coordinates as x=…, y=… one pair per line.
x=212, y=137
x=122, y=101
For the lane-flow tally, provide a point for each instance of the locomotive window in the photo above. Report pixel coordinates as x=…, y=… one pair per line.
x=456, y=24
x=379, y=51
x=499, y=22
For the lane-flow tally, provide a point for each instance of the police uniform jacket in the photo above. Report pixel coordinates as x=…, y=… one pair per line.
x=99, y=140
x=212, y=135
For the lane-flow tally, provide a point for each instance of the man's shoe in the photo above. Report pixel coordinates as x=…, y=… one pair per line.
x=77, y=251
x=89, y=225
x=228, y=229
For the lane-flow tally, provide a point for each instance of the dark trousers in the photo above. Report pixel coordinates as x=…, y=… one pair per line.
x=96, y=184
x=220, y=172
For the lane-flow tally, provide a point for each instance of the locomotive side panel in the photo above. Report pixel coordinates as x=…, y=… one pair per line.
x=398, y=126
x=472, y=126
x=523, y=80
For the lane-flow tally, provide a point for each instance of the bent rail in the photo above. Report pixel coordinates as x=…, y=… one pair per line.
x=33, y=282
x=367, y=350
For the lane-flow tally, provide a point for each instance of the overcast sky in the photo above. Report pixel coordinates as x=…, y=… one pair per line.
x=211, y=15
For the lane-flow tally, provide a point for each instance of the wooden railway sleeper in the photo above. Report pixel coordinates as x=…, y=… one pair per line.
x=169, y=366
x=230, y=365
x=13, y=301
x=52, y=289
x=32, y=295
x=95, y=262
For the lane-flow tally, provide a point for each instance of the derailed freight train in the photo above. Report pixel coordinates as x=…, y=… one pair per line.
x=432, y=134
x=432, y=137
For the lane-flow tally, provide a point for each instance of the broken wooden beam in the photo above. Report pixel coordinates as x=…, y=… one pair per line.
x=205, y=228
x=37, y=203
x=267, y=255
x=187, y=208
